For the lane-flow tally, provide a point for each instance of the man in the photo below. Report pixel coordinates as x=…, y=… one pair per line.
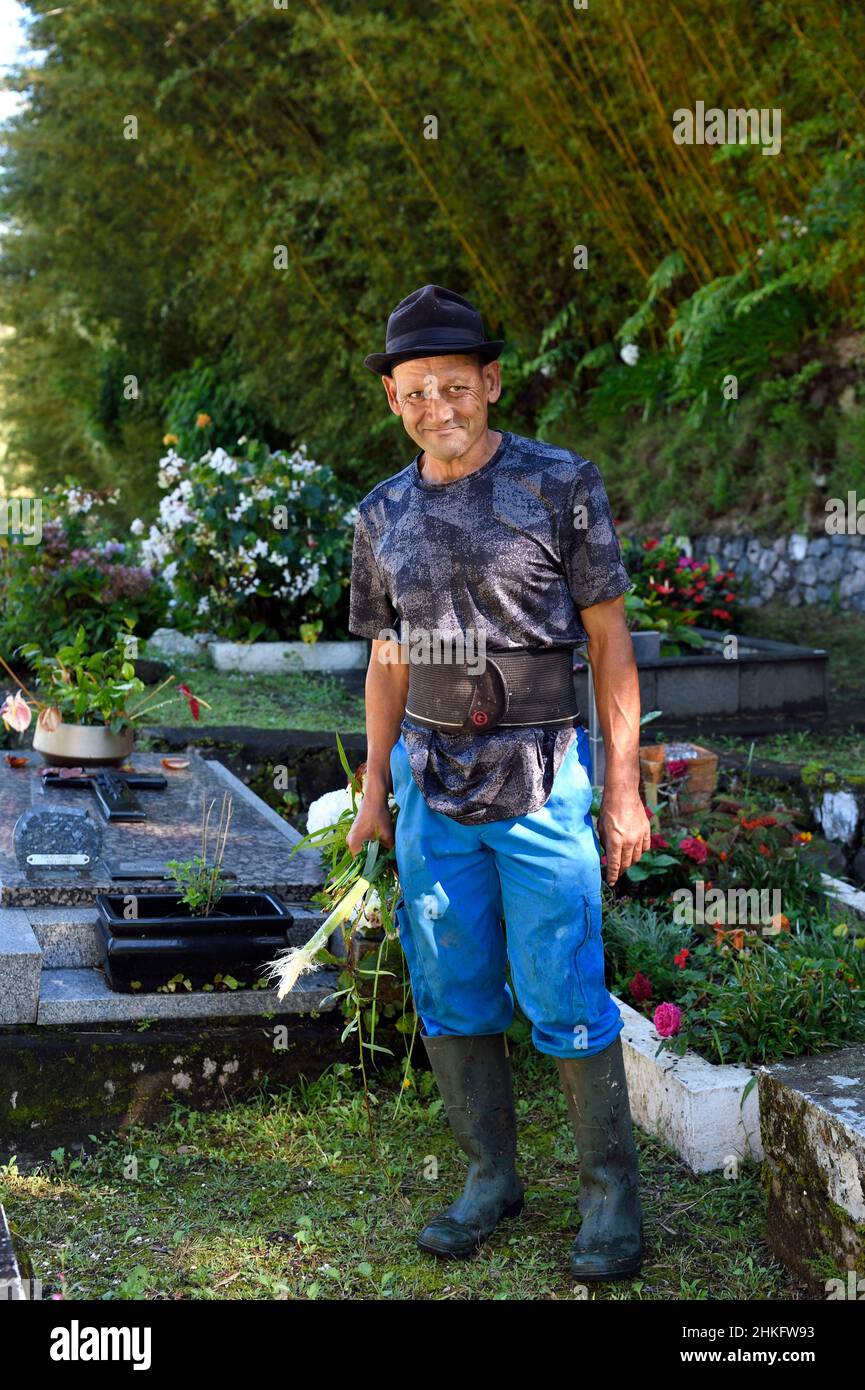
x=498, y=556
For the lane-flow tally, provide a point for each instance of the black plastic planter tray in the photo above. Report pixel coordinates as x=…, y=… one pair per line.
x=235, y=912
x=244, y=932
x=154, y=960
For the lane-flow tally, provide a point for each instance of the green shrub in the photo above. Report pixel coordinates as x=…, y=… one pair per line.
x=77, y=575
x=253, y=544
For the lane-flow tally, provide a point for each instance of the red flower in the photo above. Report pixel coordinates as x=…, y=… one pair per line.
x=722, y=614
x=758, y=821
x=677, y=767
x=701, y=584
x=662, y=564
x=648, y=812
x=640, y=988
x=658, y=842
x=695, y=849
x=764, y=850
x=650, y=544
x=194, y=706
x=681, y=957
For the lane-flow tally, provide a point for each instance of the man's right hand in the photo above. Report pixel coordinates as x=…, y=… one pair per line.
x=372, y=822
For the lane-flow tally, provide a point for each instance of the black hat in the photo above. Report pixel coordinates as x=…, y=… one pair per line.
x=432, y=322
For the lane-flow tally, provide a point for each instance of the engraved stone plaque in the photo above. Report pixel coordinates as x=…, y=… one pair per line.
x=57, y=837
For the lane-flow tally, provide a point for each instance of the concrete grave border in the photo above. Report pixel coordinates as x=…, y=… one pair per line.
x=694, y=1105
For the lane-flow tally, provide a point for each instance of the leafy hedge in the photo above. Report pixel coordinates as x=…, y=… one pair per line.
x=213, y=207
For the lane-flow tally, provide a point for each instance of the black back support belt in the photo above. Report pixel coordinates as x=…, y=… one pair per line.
x=511, y=688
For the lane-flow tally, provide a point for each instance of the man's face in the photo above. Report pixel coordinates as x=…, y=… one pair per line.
x=443, y=401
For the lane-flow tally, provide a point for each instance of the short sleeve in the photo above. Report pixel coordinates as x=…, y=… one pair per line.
x=370, y=609
x=589, y=545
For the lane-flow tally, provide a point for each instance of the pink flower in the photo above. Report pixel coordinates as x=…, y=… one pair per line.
x=658, y=842
x=49, y=719
x=677, y=767
x=15, y=712
x=695, y=849
x=667, y=1020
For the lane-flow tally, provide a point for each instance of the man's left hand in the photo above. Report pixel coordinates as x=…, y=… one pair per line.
x=624, y=830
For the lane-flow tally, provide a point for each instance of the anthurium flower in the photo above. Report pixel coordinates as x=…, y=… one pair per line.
x=15, y=712
x=194, y=706
x=49, y=719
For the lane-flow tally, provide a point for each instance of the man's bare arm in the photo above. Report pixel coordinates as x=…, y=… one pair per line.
x=623, y=826
x=386, y=692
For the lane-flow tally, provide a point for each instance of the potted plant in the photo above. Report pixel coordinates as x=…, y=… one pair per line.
x=202, y=930
x=91, y=705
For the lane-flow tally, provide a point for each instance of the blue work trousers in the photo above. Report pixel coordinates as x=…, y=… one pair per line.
x=524, y=891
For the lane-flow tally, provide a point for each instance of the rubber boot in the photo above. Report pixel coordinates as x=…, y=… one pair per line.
x=474, y=1080
x=609, y=1244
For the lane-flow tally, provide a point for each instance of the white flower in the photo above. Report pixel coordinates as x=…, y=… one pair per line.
x=221, y=462
x=630, y=353
x=327, y=809
x=243, y=505
x=136, y=526
x=170, y=467
x=155, y=548
x=169, y=571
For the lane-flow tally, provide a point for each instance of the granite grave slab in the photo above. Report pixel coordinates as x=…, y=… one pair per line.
x=257, y=851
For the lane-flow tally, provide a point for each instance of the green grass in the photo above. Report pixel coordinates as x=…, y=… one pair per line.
x=843, y=750
x=282, y=1197
x=301, y=701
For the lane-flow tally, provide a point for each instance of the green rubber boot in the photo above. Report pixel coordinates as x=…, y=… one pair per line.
x=474, y=1080
x=610, y=1240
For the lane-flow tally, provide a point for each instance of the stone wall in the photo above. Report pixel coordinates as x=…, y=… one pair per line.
x=794, y=569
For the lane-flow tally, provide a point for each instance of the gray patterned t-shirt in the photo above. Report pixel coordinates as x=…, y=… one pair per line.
x=512, y=551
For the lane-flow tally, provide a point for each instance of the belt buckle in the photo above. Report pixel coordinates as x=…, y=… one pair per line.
x=490, y=700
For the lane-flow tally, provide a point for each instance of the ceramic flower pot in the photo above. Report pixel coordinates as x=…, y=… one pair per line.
x=83, y=745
